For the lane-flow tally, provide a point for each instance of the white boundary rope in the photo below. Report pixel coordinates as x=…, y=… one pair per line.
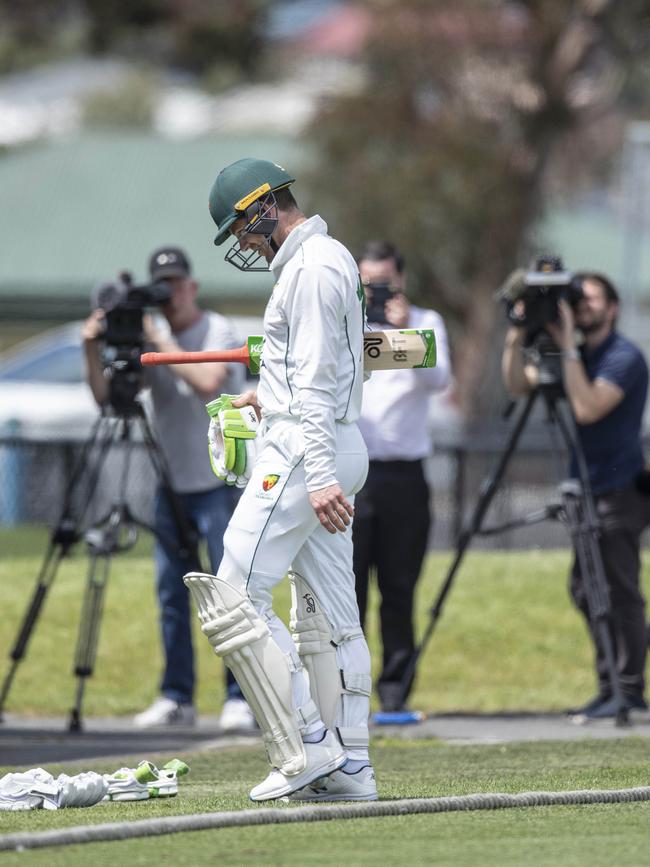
x=319, y=813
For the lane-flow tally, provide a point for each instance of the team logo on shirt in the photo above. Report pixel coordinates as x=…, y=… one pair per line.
x=269, y=481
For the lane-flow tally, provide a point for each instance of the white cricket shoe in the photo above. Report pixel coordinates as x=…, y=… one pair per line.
x=236, y=716
x=165, y=712
x=341, y=786
x=322, y=759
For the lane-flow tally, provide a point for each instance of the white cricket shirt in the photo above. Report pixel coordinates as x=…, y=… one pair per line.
x=312, y=364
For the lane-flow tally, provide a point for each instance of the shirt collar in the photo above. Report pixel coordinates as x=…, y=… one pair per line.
x=313, y=226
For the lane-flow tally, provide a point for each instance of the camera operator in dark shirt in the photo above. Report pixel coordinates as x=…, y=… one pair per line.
x=605, y=382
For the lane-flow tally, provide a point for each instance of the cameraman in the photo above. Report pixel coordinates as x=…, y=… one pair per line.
x=605, y=381
x=178, y=397
x=392, y=511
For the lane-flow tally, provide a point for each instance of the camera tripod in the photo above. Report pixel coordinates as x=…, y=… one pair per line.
x=115, y=532
x=576, y=510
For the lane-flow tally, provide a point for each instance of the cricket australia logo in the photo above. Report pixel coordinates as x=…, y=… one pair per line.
x=269, y=481
x=310, y=603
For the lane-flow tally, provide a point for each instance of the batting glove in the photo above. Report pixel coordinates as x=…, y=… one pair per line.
x=231, y=440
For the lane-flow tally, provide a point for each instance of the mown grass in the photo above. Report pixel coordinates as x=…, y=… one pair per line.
x=508, y=639
x=597, y=835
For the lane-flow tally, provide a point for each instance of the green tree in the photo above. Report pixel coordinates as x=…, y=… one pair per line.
x=467, y=112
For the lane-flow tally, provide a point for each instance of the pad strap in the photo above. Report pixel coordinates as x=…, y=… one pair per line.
x=353, y=737
x=355, y=683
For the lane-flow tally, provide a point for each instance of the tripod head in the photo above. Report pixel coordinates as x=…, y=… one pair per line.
x=124, y=304
x=547, y=358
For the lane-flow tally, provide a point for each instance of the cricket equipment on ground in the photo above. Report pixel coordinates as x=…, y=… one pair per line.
x=241, y=637
x=321, y=759
x=146, y=781
x=130, y=784
x=30, y=790
x=245, y=189
x=395, y=349
x=341, y=786
x=337, y=666
x=165, y=712
x=236, y=716
x=166, y=783
x=81, y=790
x=231, y=440
x=36, y=789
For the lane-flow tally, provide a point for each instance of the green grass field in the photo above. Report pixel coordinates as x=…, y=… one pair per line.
x=580, y=835
x=509, y=639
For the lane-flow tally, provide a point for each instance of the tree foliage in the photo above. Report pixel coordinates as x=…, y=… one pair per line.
x=467, y=111
x=201, y=37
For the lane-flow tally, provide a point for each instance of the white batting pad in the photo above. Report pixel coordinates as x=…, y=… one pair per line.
x=240, y=636
x=312, y=636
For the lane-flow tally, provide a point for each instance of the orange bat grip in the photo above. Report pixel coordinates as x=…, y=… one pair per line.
x=149, y=359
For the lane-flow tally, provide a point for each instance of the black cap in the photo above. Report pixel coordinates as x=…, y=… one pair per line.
x=169, y=262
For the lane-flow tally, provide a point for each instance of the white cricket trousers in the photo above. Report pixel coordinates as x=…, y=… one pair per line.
x=274, y=529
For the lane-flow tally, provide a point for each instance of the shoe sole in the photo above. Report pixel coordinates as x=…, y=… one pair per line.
x=128, y=796
x=323, y=771
x=373, y=797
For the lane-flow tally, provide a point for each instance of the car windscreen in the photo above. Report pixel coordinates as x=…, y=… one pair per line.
x=58, y=364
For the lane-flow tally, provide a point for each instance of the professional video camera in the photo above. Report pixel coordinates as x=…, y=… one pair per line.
x=124, y=304
x=532, y=296
x=381, y=293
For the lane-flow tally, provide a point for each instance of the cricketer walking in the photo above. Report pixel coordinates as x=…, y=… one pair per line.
x=309, y=686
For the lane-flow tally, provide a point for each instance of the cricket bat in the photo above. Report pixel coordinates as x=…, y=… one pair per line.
x=382, y=350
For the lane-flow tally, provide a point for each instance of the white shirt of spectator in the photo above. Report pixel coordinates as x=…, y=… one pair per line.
x=394, y=415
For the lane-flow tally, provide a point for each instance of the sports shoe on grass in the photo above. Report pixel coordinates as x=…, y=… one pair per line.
x=358, y=785
x=323, y=758
x=236, y=716
x=165, y=712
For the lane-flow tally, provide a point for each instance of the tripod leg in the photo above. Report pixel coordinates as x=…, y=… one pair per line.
x=44, y=581
x=592, y=570
x=63, y=537
x=88, y=637
x=584, y=527
x=488, y=490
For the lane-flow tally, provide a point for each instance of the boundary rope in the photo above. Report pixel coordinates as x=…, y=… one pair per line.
x=320, y=813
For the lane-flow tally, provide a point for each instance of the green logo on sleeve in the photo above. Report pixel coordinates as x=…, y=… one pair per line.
x=361, y=295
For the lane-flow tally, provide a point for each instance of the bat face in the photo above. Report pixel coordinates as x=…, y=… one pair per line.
x=399, y=348
x=382, y=350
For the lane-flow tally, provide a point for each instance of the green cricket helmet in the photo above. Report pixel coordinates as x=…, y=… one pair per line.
x=246, y=189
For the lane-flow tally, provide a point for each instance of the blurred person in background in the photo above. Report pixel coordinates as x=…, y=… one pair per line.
x=177, y=409
x=392, y=511
x=605, y=381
